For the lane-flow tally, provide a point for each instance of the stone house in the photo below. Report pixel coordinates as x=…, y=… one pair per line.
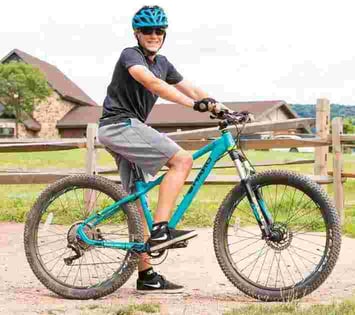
x=66, y=96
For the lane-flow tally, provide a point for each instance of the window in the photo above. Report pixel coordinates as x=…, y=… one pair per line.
x=7, y=132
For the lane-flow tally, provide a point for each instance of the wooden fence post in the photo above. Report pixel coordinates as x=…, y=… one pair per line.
x=322, y=130
x=337, y=130
x=91, y=156
x=91, y=135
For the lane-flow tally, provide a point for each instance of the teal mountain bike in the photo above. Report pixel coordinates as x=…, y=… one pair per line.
x=276, y=234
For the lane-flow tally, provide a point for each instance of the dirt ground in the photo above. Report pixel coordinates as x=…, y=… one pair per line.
x=207, y=289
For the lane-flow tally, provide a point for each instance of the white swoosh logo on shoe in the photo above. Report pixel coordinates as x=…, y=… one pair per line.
x=162, y=238
x=157, y=285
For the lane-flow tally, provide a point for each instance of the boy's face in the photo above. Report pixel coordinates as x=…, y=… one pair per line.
x=151, y=38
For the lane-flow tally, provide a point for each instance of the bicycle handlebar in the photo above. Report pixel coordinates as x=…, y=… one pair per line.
x=234, y=118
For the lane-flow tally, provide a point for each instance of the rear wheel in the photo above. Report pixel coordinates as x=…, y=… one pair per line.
x=65, y=264
x=306, y=241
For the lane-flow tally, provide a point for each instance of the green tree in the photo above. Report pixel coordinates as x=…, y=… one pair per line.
x=348, y=125
x=22, y=87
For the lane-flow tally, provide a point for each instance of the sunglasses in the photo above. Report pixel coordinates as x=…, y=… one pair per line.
x=150, y=30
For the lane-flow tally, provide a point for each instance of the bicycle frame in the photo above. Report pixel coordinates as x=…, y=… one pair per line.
x=218, y=147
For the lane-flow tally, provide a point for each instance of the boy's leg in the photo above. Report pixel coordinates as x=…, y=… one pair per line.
x=144, y=259
x=179, y=168
x=163, y=236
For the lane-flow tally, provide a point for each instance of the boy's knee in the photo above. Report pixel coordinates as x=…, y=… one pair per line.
x=181, y=159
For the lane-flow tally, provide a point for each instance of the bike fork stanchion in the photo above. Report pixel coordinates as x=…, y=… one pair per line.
x=253, y=201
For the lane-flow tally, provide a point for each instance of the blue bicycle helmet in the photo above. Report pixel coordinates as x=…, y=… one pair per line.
x=150, y=16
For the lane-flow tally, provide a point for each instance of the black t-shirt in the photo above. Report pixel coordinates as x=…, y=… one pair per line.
x=126, y=97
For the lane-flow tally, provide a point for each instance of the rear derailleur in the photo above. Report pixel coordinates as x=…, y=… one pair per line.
x=78, y=246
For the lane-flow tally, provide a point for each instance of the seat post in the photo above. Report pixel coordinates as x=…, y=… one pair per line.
x=137, y=172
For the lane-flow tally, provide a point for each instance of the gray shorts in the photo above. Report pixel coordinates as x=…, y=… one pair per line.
x=135, y=142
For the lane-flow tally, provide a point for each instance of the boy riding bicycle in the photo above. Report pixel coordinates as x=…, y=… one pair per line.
x=140, y=77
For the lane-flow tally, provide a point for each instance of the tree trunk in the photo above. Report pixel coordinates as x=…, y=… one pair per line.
x=17, y=122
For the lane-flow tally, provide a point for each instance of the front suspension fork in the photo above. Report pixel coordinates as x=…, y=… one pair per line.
x=256, y=201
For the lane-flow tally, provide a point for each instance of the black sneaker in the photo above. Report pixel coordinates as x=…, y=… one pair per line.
x=158, y=284
x=162, y=236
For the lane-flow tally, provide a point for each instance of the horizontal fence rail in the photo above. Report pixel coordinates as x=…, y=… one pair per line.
x=47, y=178
x=249, y=128
x=186, y=144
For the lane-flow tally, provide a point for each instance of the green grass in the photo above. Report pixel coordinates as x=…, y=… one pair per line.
x=18, y=199
x=130, y=309
x=343, y=308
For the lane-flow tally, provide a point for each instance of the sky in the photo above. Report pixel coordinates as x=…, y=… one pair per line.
x=297, y=51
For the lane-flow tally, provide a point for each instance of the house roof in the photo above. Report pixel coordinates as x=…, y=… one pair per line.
x=165, y=115
x=170, y=114
x=66, y=88
x=29, y=122
x=80, y=116
x=32, y=124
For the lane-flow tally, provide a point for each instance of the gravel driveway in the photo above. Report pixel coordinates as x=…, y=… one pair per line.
x=207, y=289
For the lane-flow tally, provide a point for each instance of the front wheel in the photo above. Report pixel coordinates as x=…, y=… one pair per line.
x=60, y=260
x=306, y=248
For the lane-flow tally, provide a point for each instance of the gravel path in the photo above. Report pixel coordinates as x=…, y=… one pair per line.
x=207, y=289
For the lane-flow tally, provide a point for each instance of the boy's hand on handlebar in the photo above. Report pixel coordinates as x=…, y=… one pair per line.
x=219, y=107
x=211, y=105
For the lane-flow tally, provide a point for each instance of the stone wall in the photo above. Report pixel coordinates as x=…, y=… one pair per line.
x=25, y=133
x=48, y=113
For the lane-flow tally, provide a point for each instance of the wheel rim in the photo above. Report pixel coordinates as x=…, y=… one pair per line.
x=294, y=257
x=59, y=217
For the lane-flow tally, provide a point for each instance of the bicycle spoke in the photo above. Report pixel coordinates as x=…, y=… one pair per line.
x=273, y=258
x=77, y=273
x=242, y=240
x=103, y=262
x=283, y=260
x=106, y=255
x=308, y=241
x=261, y=268
x=301, y=209
x=103, y=267
x=308, y=234
x=300, y=256
x=247, y=256
x=306, y=251
x=52, y=251
x=276, y=206
x=302, y=216
x=278, y=269
x=239, y=250
x=243, y=230
x=76, y=195
x=295, y=264
x=59, y=257
x=87, y=266
x=52, y=242
x=92, y=258
x=49, y=261
x=260, y=255
x=290, y=207
x=70, y=269
x=61, y=269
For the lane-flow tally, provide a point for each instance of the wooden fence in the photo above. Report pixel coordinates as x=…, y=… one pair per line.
x=195, y=139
